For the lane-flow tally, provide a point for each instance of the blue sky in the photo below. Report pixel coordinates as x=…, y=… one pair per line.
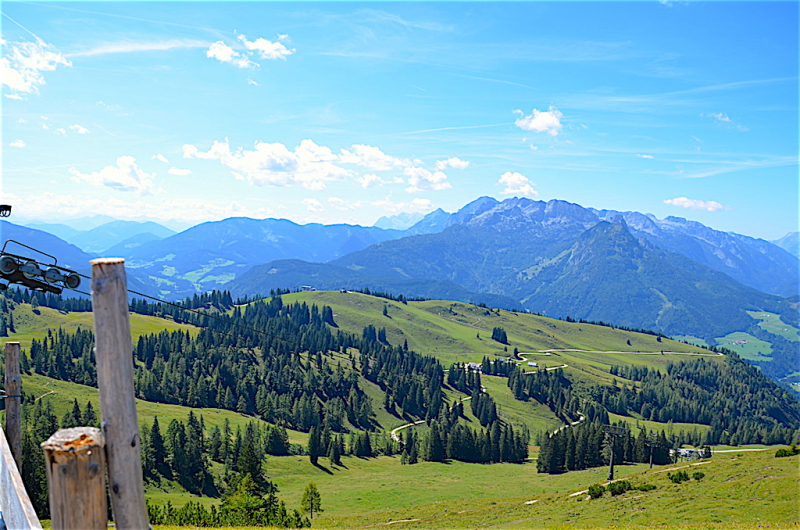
x=342, y=112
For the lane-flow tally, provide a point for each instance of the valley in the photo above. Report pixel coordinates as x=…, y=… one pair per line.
x=467, y=494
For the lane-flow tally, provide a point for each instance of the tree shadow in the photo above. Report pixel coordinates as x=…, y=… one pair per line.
x=323, y=468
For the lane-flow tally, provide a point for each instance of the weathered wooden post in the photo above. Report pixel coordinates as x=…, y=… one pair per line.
x=76, y=479
x=114, y=353
x=13, y=387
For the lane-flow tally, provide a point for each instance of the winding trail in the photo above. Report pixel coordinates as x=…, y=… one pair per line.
x=394, y=431
x=574, y=350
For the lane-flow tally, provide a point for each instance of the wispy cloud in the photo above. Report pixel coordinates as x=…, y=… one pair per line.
x=179, y=172
x=18, y=143
x=457, y=128
x=415, y=205
x=80, y=129
x=724, y=119
x=141, y=46
x=646, y=156
x=383, y=16
x=313, y=205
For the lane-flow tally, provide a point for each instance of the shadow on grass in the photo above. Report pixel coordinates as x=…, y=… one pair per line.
x=323, y=468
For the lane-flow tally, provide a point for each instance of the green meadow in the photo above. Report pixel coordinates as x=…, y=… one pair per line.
x=30, y=325
x=739, y=490
x=753, y=349
x=773, y=323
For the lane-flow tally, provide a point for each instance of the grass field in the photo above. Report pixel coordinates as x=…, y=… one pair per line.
x=669, y=428
x=739, y=490
x=773, y=323
x=754, y=349
x=32, y=326
x=450, y=330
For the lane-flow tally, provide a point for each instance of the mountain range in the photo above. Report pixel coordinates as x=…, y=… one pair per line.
x=559, y=258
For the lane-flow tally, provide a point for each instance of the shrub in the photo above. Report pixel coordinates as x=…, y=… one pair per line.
x=793, y=450
x=596, y=491
x=698, y=475
x=619, y=487
x=645, y=487
x=680, y=476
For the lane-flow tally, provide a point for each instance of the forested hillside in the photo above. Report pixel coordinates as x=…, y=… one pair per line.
x=294, y=366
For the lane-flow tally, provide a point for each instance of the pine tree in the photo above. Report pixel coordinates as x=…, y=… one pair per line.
x=157, y=449
x=89, y=416
x=314, y=445
x=311, y=501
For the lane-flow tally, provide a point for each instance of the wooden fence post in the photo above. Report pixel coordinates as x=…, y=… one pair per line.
x=114, y=353
x=13, y=387
x=76, y=479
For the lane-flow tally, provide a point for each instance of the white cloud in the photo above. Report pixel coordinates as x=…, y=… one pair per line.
x=22, y=120
x=60, y=131
x=645, y=156
x=420, y=179
x=17, y=143
x=251, y=82
x=266, y=49
x=341, y=204
x=372, y=158
x=313, y=205
x=222, y=52
x=125, y=176
x=538, y=121
x=79, y=129
x=45, y=126
x=454, y=163
x=309, y=165
x=23, y=64
x=693, y=204
x=368, y=181
x=179, y=172
x=516, y=184
x=719, y=116
x=160, y=157
x=416, y=205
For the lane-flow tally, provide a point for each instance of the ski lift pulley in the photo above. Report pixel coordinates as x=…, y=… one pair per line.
x=27, y=271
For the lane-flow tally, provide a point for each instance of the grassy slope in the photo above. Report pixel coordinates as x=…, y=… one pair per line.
x=773, y=323
x=449, y=329
x=31, y=326
x=740, y=490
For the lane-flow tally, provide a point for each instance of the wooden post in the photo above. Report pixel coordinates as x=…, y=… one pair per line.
x=76, y=479
x=114, y=353
x=13, y=387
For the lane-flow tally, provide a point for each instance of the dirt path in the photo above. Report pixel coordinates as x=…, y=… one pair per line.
x=581, y=419
x=738, y=450
x=584, y=492
x=634, y=352
x=394, y=432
